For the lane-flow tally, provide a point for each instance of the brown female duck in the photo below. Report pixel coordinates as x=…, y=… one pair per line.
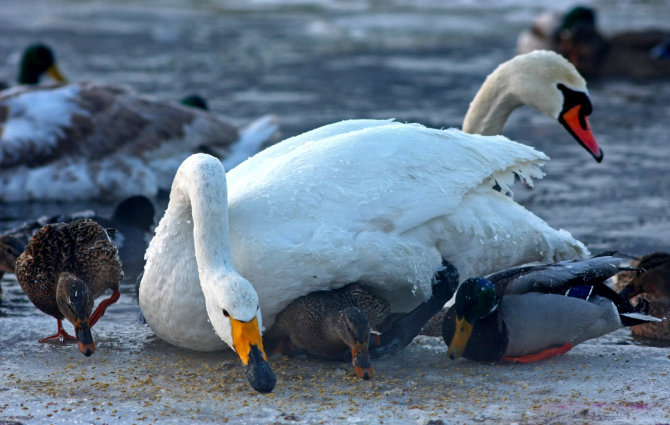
x=653, y=282
x=336, y=324
x=64, y=268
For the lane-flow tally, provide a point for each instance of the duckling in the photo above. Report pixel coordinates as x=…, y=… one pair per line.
x=64, y=268
x=132, y=224
x=653, y=281
x=533, y=313
x=336, y=324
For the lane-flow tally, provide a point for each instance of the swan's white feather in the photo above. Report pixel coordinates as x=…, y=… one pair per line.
x=383, y=202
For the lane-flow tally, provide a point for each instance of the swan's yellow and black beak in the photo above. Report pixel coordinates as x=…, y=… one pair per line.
x=54, y=72
x=576, y=122
x=84, y=337
x=249, y=346
x=460, y=339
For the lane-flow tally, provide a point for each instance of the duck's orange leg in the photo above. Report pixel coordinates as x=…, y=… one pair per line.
x=61, y=335
x=542, y=355
x=97, y=314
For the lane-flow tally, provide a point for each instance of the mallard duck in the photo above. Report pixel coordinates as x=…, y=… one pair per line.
x=64, y=268
x=533, y=313
x=37, y=60
x=189, y=271
x=336, y=324
x=652, y=282
x=331, y=324
x=370, y=201
x=131, y=225
x=88, y=140
x=638, y=54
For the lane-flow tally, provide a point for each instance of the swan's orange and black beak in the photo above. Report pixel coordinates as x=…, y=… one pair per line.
x=460, y=338
x=249, y=346
x=84, y=337
x=576, y=122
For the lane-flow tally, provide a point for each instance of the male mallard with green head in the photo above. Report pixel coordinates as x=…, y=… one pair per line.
x=533, y=313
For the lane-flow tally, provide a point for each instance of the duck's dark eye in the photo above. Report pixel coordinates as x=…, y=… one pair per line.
x=225, y=313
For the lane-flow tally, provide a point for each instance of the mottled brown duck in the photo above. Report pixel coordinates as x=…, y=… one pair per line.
x=64, y=268
x=337, y=324
x=87, y=140
x=653, y=283
x=132, y=222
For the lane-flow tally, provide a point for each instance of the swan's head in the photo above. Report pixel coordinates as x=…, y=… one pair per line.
x=548, y=82
x=235, y=314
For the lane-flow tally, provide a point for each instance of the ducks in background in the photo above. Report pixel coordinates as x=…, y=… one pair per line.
x=652, y=281
x=336, y=324
x=93, y=141
x=533, y=313
x=64, y=268
x=131, y=226
x=37, y=60
x=575, y=35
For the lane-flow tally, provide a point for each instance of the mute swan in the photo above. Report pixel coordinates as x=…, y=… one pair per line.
x=190, y=288
x=541, y=79
x=537, y=312
x=87, y=140
x=64, y=268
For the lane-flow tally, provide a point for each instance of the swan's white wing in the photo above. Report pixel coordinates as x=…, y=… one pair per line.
x=382, y=204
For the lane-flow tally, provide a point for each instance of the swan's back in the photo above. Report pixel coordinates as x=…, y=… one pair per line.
x=382, y=204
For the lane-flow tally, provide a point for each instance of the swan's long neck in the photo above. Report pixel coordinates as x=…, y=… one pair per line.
x=204, y=191
x=492, y=105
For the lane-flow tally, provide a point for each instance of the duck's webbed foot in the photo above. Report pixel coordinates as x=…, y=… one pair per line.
x=62, y=335
x=408, y=326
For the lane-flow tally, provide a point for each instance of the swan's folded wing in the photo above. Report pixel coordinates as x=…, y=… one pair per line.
x=387, y=178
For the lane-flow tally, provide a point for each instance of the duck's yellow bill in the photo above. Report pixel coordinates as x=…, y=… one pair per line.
x=460, y=338
x=55, y=73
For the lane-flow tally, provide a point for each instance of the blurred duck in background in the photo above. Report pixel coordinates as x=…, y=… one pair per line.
x=37, y=60
x=652, y=282
x=130, y=227
x=88, y=140
x=575, y=35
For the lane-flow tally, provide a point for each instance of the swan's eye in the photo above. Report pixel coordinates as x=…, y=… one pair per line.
x=225, y=313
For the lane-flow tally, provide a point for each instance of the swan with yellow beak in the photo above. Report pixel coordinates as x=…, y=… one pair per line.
x=190, y=285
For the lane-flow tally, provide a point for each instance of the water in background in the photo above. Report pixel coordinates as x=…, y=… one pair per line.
x=312, y=62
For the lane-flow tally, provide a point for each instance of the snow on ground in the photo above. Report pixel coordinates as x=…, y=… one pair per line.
x=135, y=378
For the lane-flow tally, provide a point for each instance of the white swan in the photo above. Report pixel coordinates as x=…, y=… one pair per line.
x=86, y=140
x=542, y=79
x=190, y=256
x=367, y=200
